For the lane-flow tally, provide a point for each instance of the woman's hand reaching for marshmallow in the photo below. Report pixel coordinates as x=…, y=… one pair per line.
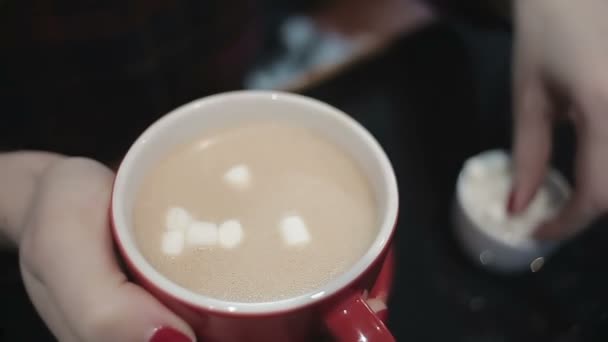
x=55, y=209
x=561, y=69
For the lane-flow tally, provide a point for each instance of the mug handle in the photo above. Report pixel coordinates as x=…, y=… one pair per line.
x=359, y=318
x=353, y=320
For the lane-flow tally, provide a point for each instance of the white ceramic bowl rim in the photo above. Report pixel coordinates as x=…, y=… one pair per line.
x=555, y=180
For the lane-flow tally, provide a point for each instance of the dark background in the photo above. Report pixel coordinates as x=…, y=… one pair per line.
x=434, y=98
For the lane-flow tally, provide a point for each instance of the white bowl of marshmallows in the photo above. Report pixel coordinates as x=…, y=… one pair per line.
x=491, y=236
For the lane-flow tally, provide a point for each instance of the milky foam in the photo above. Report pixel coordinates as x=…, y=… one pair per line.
x=289, y=170
x=238, y=177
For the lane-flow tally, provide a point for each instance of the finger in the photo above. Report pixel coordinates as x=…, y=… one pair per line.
x=47, y=308
x=80, y=271
x=575, y=215
x=591, y=190
x=532, y=140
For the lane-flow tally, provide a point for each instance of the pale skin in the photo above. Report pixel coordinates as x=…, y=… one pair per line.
x=561, y=50
x=55, y=209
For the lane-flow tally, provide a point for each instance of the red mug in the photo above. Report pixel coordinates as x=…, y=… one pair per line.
x=348, y=308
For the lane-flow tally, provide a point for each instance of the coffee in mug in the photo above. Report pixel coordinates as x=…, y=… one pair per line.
x=256, y=212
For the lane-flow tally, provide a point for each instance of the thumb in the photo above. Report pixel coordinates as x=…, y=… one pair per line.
x=573, y=217
x=590, y=197
x=68, y=250
x=129, y=313
x=532, y=141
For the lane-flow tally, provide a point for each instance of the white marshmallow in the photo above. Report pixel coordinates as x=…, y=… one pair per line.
x=202, y=234
x=173, y=242
x=499, y=162
x=488, y=184
x=497, y=212
x=540, y=206
x=178, y=219
x=476, y=168
x=230, y=234
x=294, y=231
x=238, y=176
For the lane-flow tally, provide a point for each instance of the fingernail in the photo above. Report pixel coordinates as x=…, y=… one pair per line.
x=166, y=334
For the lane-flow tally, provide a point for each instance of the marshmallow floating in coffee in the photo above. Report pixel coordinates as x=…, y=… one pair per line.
x=201, y=233
x=230, y=234
x=173, y=242
x=178, y=219
x=294, y=231
x=183, y=229
x=238, y=176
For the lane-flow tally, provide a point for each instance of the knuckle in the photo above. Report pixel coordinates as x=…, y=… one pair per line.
x=76, y=162
x=33, y=252
x=28, y=259
x=79, y=168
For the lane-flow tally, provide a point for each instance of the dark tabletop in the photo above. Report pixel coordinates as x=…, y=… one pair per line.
x=433, y=99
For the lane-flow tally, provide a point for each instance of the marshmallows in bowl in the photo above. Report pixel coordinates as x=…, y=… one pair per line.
x=489, y=234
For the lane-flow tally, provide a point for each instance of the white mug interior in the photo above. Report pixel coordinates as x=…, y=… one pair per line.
x=192, y=120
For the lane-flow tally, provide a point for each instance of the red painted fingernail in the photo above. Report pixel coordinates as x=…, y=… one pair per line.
x=166, y=334
x=511, y=203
